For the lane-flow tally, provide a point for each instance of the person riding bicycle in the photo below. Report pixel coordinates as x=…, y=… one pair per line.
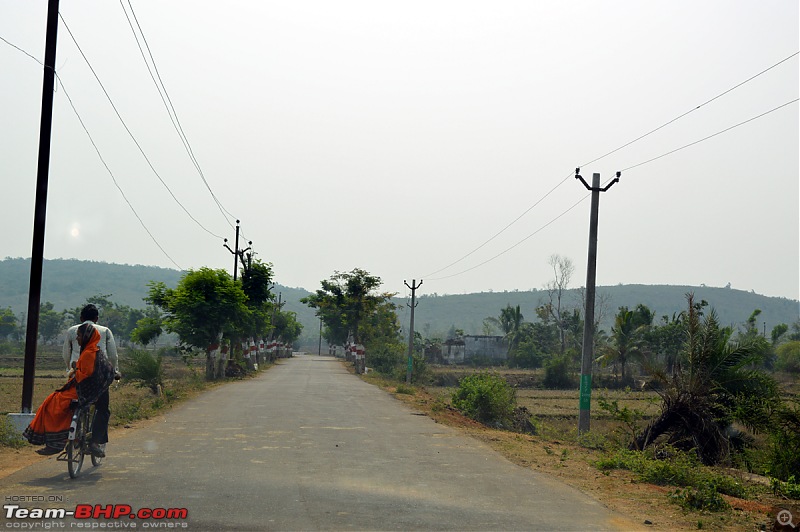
x=73, y=351
x=87, y=351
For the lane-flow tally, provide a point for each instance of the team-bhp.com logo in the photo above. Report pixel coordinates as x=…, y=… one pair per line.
x=96, y=511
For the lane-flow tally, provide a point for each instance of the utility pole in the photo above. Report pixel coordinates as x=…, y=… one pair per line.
x=413, y=287
x=588, y=325
x=319, y=348
x=237, y=254
x=40, y=208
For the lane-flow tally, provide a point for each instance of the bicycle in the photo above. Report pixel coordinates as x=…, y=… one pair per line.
x=80, y=436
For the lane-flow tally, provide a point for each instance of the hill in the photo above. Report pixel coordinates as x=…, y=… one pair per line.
x=68, y=283
x=437, y=314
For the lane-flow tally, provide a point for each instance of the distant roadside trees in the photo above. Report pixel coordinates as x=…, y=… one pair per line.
x=205, y=305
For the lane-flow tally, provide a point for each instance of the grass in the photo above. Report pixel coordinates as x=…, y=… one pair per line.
x=673, y=487
x=129, y=401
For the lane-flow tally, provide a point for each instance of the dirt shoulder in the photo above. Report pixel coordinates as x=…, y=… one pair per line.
x=618, y=490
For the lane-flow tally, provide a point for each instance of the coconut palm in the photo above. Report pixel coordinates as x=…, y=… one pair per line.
x=716, y=384
x=510, y=322
x=627, y=340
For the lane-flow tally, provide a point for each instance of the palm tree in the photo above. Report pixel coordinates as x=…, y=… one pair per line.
x=510, y=322
x=627, y=338
x=719, y=385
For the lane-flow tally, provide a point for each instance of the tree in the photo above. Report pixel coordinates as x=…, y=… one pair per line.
x=50, y=322
x=720, y=384
x=286, y=327
x=148, y=328
x=8, y=323
x=627, y=338
x=344, y=301
x=562, y=274
x=510, y=322
x=206, y=304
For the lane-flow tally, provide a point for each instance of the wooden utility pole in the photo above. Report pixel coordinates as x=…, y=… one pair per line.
x=588, y=325
x=237, y=253
x=40, y=209
x=413, y=286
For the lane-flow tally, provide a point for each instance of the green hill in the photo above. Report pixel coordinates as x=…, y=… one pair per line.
x=68, y=283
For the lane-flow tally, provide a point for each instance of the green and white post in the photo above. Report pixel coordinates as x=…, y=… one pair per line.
x=587, y=356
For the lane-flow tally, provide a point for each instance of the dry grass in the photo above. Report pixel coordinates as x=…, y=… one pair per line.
x=558, y=451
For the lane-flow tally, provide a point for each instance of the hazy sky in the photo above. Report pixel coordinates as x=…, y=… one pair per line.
x=399, y=137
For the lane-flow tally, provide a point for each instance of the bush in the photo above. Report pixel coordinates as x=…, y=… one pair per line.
x=385, y=358
x=142, y=366
x=9, y=437
x=788, y=357
x=558, y=373
x=485, y=397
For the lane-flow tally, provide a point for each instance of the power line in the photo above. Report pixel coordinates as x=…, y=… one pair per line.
x=141, y=150
x=665, y=124
x=110, y=173
x=712, y=135
x=100, y=155
x=623, y=170
x=165, y=98
x=515, y=245
x=610, y=153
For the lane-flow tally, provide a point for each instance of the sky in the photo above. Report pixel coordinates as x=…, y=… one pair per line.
x=432, y=140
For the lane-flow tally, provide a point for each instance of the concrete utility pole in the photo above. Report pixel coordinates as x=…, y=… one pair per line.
x=413, y=286
x=40, y=209
x=588, y=325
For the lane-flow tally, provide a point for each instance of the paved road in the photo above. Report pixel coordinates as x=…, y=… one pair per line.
x=308, y=446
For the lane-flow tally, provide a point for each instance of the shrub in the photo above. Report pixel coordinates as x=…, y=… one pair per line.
x=702, y=497
x=558, y=373
x=485, y=397
x=9, y=437
x=385, y=358
x=788, y=357
x=142, y=366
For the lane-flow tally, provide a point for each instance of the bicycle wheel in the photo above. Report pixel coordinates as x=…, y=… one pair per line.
x=75, y=448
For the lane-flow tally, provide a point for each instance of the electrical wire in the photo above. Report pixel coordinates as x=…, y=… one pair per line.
x=623, y=170
x=100, y=155
x=710, y=136
x=665, y=124
x=141, y=150
x=165, y=98
x=662, y=126
x=515, y=245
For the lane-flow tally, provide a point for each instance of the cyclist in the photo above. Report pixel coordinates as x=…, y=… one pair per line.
x=87, y=349
x=71, y=353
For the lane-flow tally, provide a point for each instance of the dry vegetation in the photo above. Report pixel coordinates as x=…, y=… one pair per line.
x=558, y=450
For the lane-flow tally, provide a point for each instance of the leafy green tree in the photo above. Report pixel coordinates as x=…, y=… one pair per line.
x=788, y=355
x=8, y=323
x=286, y=327
x=205, y=305
x=720, y=383
x=51, y=322
x=344, y=301
x=148, y=328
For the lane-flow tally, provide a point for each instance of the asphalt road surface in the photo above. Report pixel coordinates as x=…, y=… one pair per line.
x=304, y=446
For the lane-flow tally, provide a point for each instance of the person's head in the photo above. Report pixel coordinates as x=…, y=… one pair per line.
x=90, y=313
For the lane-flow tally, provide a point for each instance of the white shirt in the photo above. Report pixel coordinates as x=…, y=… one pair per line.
x=72, y=349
